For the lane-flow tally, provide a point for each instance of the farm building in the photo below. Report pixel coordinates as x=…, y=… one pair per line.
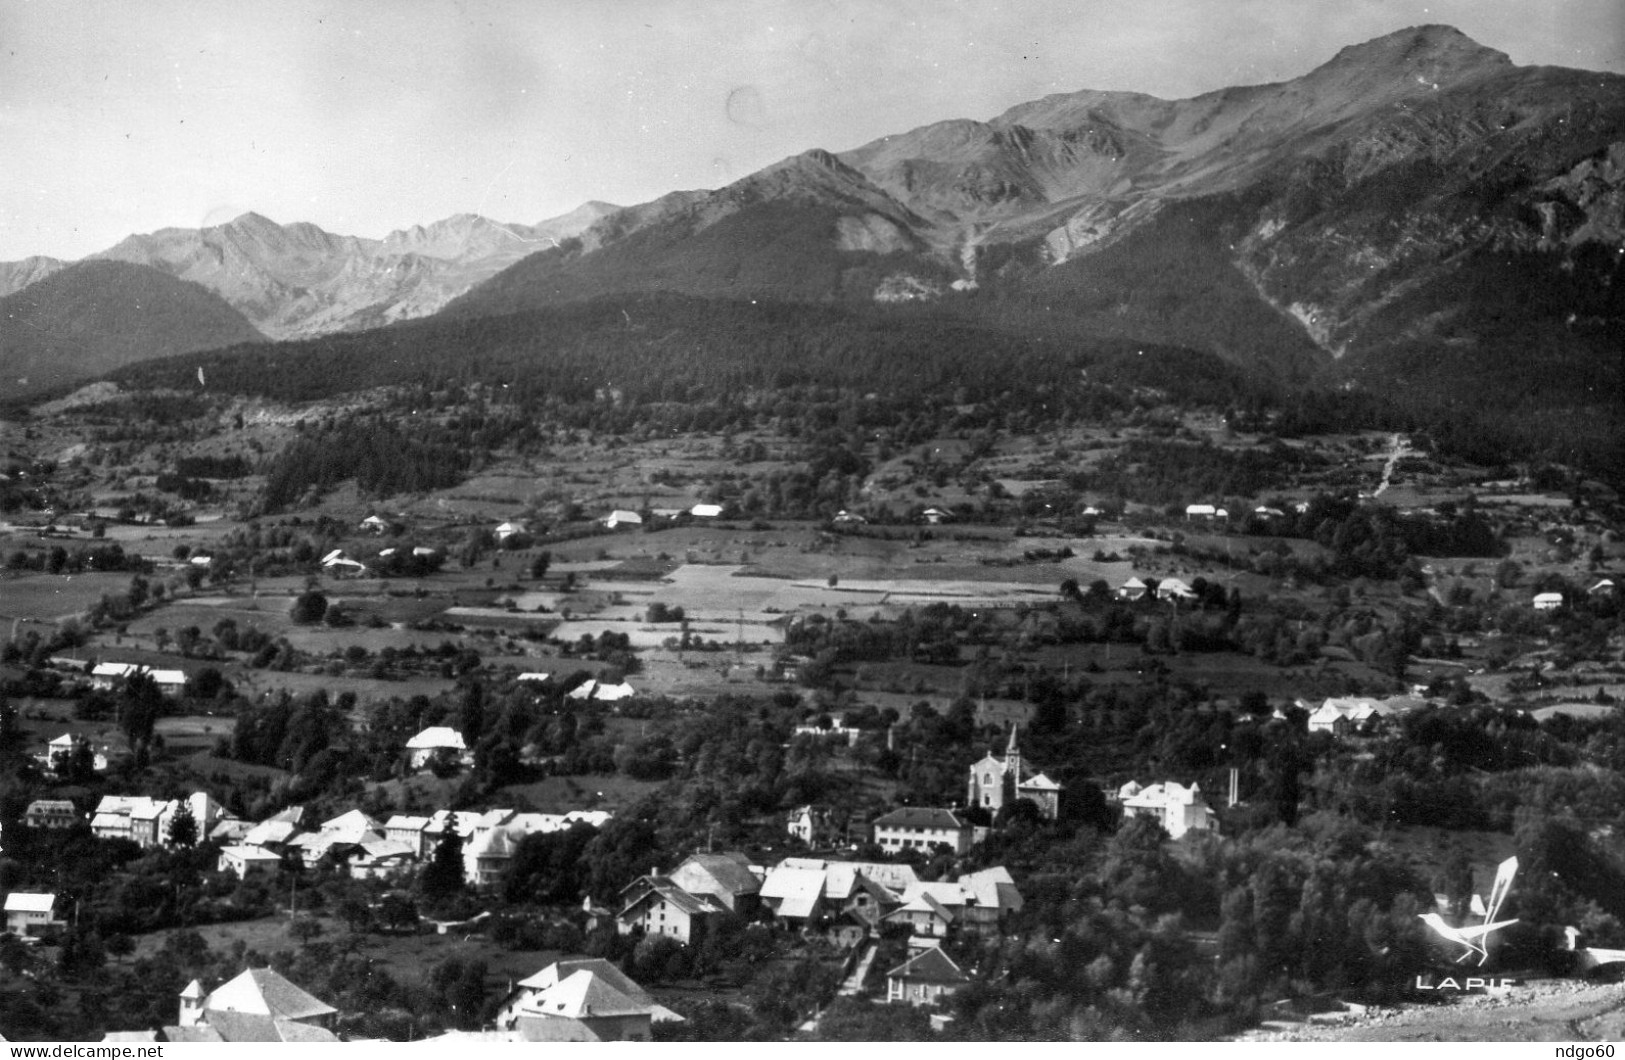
x=1548, y=601
x=706, y=511
x=622, y=517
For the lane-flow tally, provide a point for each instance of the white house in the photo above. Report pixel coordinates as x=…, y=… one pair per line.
x=1201, y=511
x=599, y=690
x=1178, y=809
x=1548, y=601
x=425, y=744
x=1174, y=589
x=922, y=828
x=1133, y=589
x=247, y=861
x=706, y=511
x=31, y=915
x=507, y=530
x=375, y=524
x=622, y=517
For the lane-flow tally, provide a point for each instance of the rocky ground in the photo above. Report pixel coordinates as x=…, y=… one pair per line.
x=1532, y=1011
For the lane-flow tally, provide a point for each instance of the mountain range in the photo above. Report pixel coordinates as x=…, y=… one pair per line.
x=1416, y=211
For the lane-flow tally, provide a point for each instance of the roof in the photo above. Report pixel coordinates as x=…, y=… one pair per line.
x=726, y=873
x=1038, y=782
x=25, y=902
x=663, y=887
x=561, y=970
x=437, y=737
x=262, y=991
x=130, y=1036
x=797, y=890
x=254, y=1027
x=923, y=902
x=199, y=1033
x=271, y=831
x=706, y=511
x=930, y=966
x=416, y=824
x=51, y=806
x=584, y=995
x=919, y=817
x=250, y=853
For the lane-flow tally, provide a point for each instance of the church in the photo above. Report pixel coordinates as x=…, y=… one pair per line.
x=996, y=782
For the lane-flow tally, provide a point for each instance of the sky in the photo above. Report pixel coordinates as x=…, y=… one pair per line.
x=365, y=116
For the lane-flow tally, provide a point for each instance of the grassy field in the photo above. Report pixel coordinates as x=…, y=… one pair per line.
x=53, y=597
x=403, y=956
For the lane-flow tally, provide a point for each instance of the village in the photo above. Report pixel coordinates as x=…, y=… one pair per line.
x=643, y=762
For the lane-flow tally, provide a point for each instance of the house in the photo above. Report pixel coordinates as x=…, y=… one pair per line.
x=247, y=860
x=706, y=511
x=133, y=817
x=1201, y=511
x=170, y=682
x=936, y=516
x=924, y=979
x=406, y=829
x=1604, y=586
x=975, y=904
x=1174, y=589
x=525, y=993
x=429, y=743
x=923, y=828
x=59, y=753
x=487, y=856
x=622, y=517
x=1548, y=601
x=260, y=1005
x=51, y=813
x=923, y=914
x=726, y=878
x=587, y=1006
x=801, y=889
x=848, y=518
x=836, y=729
x=1178, y=809
x=107, y=676
x=373, y=524
x=601, y=691
x=794, y=894
x=1133, y=589
x=532, y=677
x=339, y=565
x=994, y=783
x=656, y=905
x=380, y=858
x=810, y=825
x=30, y=915
x=507, y=530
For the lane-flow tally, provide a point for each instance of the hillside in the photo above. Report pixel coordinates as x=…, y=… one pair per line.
x=93, y=317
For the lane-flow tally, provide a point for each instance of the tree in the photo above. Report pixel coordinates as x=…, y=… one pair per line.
x=539, y=565
x=309, y=608
x=183, y=828
x=443, y=876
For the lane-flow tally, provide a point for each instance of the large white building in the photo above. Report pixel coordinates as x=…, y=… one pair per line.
x=1177, y=808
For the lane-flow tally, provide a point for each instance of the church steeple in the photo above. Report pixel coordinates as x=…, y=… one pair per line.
x=1012, y=758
